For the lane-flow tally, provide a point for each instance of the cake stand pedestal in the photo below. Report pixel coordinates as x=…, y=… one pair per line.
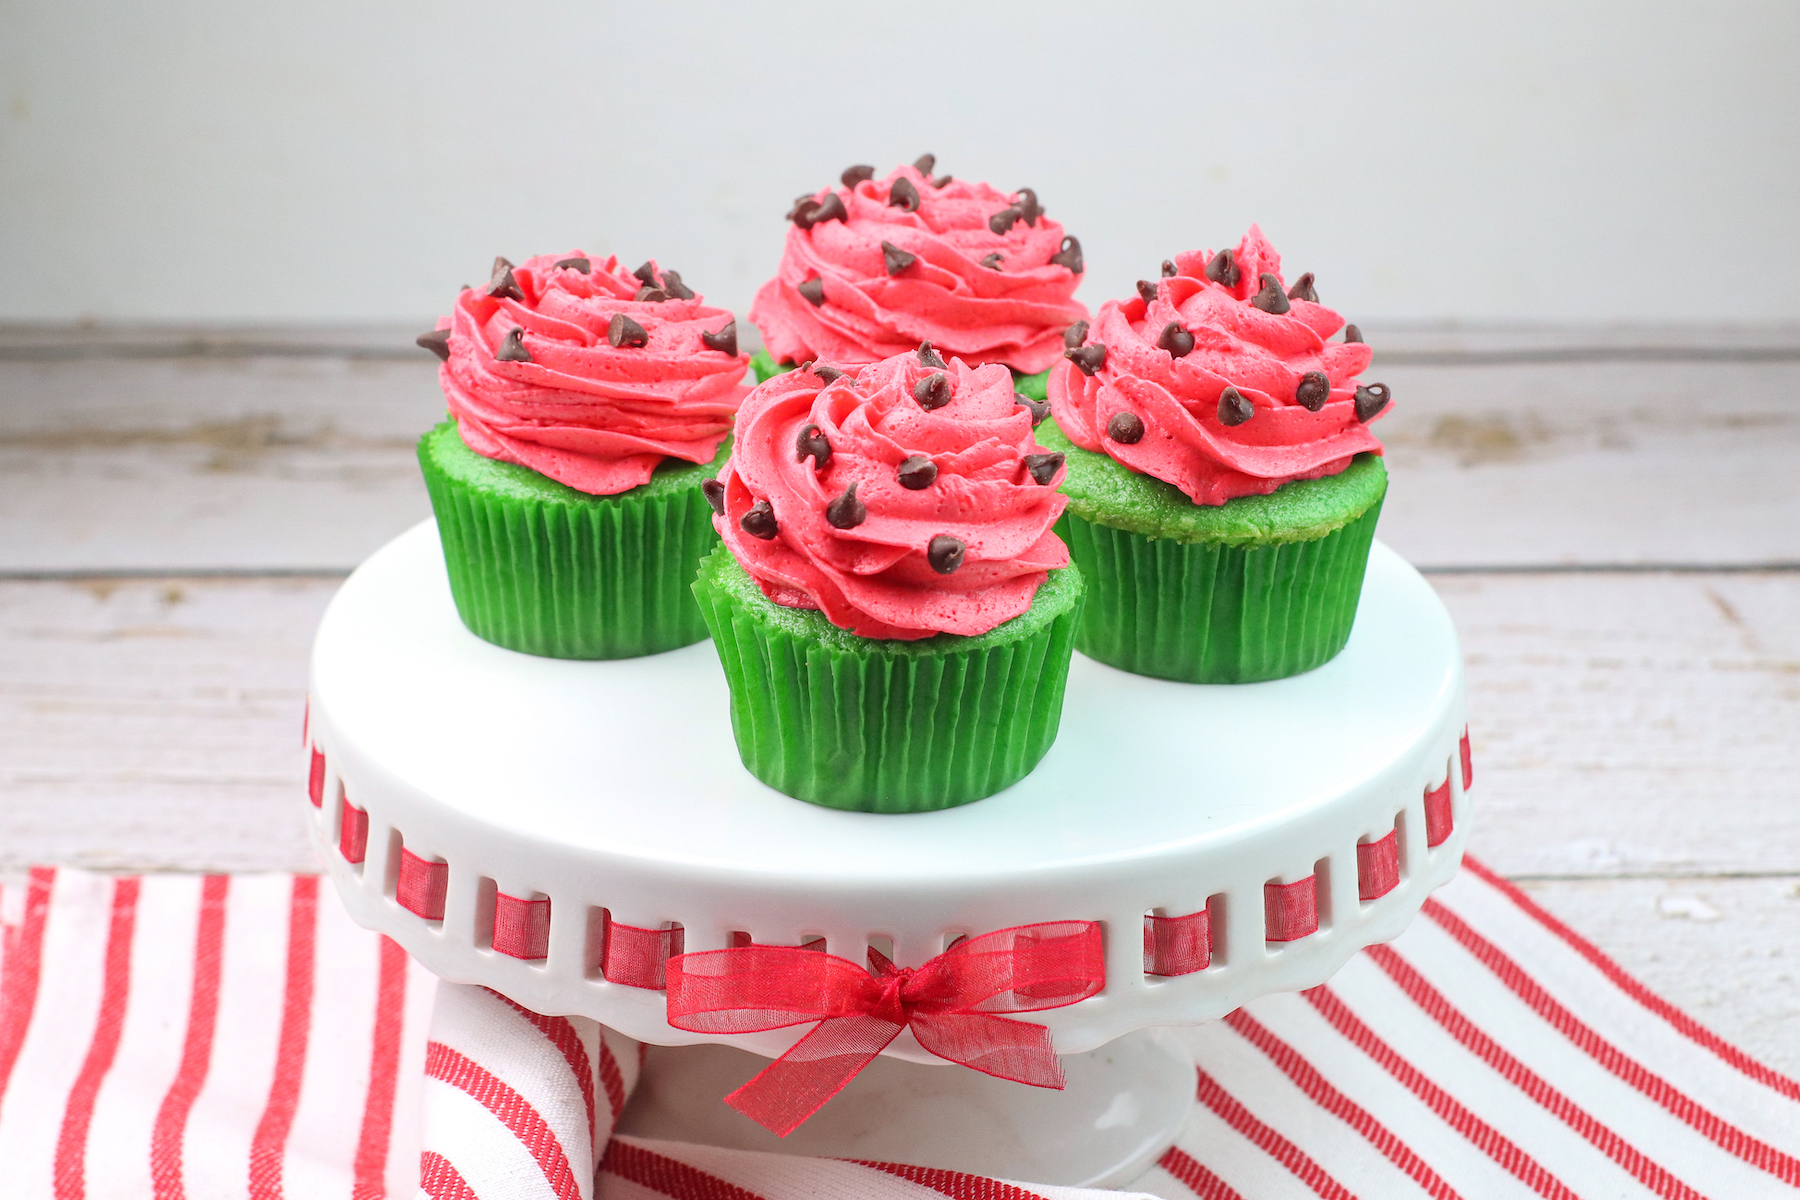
x=554, y=829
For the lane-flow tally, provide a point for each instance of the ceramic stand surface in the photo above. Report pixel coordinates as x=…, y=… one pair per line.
x=604, y=795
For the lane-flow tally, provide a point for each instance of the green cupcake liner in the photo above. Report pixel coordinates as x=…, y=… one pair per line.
x=767, y=368
x=542, y=568
x=1261, y=587
x=888, y=726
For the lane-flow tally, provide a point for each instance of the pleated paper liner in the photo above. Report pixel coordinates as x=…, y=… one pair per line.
x=767, y=368
x=545, y=569
x=888, y=726
x=1261, y=587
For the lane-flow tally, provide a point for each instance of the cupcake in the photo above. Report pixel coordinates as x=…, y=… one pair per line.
x=1223, y=482
x=588, y=405
x=894, y=615
x=875, y=267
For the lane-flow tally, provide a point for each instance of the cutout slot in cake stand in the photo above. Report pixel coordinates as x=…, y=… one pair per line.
x=476, y=804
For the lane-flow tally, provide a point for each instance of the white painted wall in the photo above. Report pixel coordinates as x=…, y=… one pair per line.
x=346, y=160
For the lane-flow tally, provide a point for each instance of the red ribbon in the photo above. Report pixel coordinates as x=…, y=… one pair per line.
x=950, y=1003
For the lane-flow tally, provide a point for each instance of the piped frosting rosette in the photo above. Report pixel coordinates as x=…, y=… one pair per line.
x=873, y=268
x=1219, y=379
x=901, y=499
x=587, y=373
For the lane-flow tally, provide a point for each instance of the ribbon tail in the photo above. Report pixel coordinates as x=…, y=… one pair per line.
x=816, y=1068
x=999, y=1046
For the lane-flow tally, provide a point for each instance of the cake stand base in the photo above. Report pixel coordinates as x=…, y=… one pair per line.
x=1123, y=1108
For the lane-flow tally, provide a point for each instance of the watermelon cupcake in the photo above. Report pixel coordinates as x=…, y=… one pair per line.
x=877, y=266
x=1223, y=481
x=588, y=404
x=893, y=612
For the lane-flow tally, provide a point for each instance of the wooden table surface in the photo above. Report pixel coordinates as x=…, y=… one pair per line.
x=1612, y=516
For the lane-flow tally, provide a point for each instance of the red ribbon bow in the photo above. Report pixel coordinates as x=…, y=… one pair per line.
x=949, y=1003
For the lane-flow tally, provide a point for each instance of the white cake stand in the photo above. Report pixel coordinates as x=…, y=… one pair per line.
x=512, y=820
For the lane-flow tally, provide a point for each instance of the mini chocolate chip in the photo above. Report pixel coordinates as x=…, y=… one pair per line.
x=1005, y=219
x=714, y=491
x=924, y=163
x=759, y=521
x=814, y=291
x=501, y=263
x=724, y=341
x=1043, y=467
x=903, y=195
x=1313, y=391
x=1271, y=299
x=1087, y=358
x=1222, y=268
x=503, y=283
x=917, y=472
x=1147, y=290
x=646, y=274
x=1125, y=428
x=829, y=374
x=1352, y=334
x=1029, y=208
x=1074, y=335
x=512, y=347
x=802, y=212
x=945, y=554
x=650, y=295
x=1038, y=408
x=1234, y=407
x=897, y=260
x=1176, y=340
x=812, y=444
x=1069, y=256
x=941, y=180
x=846, y=512
x=624, y=332
x=672, y=284
x=1371, y=398
x=992, y=261
x=929, y=357
x=1303, y=289
x=831, y=208
x=855, y=175
x=576, y=264
x=933, y=391
x=1168, y=269
x=437, y=341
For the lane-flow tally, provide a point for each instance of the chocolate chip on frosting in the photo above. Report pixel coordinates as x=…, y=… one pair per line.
x=503, y=283
x=992, y=261
x=437, y=341
x=1234, y=407
x=1125, y=428
x=1074, y=335
x=903, y=195
x=814, y=291
x=939, y=181
x=724, y=341
x=623, y=332
x=1043, y=467
x=829, y=374
x=650, y=295
x=1005, y=219
x=1271, y=299
x=1147, y=290
x=831, y=208
x=1303, y=289
x=1371, y=398
x=855, y=175
x=672, y=284
x=759, y=521
x=512, y=347
x=1037, y=408
x=1352, y=334
x=1313, y=390
x=924, y=163
x=933, y=391
x=576, y=264
x=929, y=357
x=1087, y=359
x=802, y=212
x=1168, y=269
x=897, y=260
x=1176, y=340
x=714, y=491
x=811, y=443
x=1029, y=208
x=501, y=263
x=646, y=274
x=846, y=512
x=917, y=472
x=1222, y=268
x=1069, y=256
x=945, y=554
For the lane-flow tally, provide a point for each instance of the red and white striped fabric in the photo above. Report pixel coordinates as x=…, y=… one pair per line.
x=174, y=1036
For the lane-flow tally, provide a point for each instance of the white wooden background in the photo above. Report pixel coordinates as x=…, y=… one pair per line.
x=1613, y=517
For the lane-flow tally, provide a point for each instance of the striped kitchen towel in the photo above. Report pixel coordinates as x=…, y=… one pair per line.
x=175, y=1036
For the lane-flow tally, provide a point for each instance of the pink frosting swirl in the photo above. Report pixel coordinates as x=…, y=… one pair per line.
x=1266, y=356
x=972, y=292
x=532, y=377
x=875, y=563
